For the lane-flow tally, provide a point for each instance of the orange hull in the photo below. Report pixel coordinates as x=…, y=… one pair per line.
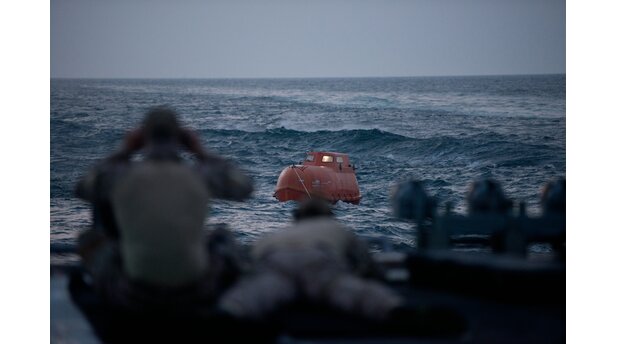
x=323, y=175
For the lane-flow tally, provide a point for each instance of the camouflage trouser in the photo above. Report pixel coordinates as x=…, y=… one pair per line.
x=103, y=265
x=315, y=275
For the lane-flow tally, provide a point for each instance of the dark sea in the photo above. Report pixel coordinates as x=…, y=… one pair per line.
x=446, y=131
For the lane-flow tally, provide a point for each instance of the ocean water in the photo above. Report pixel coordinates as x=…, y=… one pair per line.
x=446, y=131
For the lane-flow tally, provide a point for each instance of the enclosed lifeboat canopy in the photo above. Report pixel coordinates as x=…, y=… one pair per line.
x=325, y=175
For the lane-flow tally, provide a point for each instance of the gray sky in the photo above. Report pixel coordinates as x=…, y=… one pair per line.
x=330, y=38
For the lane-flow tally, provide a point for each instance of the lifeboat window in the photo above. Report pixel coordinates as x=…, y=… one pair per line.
x=326, y=158
x=310, y=157
x=339, y=159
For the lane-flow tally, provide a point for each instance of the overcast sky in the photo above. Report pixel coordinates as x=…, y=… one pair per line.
x=330, y=38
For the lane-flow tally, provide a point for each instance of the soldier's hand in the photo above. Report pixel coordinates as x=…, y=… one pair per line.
x=133, y=141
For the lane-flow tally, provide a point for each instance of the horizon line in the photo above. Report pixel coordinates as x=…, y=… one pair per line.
x=298, y=77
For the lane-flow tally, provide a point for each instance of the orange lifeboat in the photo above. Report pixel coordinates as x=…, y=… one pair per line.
x=325, y=175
